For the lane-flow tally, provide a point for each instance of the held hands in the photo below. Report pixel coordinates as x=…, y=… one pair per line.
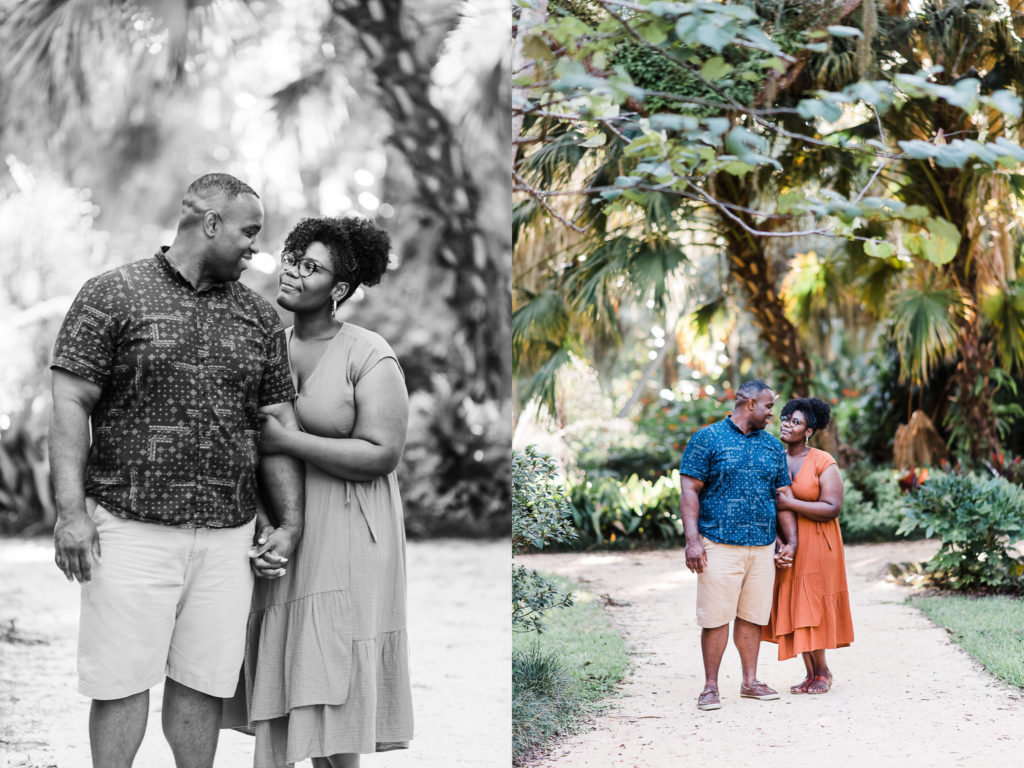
x=76, y=544
x=784, y=553
x=270, y=552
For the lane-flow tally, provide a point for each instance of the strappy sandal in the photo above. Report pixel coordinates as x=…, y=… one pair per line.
x=826, y=680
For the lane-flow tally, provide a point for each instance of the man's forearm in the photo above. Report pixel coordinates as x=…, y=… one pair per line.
x=689, y=512
x=283, y=482
x=68, y=444
x=786, y=523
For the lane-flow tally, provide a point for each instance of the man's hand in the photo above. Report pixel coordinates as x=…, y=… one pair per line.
x=76, y=544
x=270, y=552
x=696, y=557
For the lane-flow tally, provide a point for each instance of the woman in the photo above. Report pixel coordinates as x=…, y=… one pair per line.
x=327, y=660
x=811, y=605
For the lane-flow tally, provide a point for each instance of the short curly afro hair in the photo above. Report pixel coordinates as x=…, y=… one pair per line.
x=817, y=412
x=359, y=249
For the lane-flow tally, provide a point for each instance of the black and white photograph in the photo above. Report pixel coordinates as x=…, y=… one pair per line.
x=255, y=404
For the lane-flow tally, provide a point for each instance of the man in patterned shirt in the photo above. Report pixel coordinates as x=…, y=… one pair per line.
x=169, y=361
x=730, y=474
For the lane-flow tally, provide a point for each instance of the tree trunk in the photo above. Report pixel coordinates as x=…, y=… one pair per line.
x=750, y=267
x=444, y=186
x=973, y=392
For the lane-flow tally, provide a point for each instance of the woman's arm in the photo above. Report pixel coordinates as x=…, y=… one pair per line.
x=378, y=436
x=830, y=498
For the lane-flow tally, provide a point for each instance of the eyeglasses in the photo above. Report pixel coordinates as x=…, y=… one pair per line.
x=305, y=267
x=791, y=420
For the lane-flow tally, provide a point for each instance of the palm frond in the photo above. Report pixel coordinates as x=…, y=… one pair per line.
x=541, y=386
x=1004, y=311
x=925, y=329
x=541, y=319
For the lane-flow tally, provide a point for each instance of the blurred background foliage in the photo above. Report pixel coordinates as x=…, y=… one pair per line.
x=389, y=110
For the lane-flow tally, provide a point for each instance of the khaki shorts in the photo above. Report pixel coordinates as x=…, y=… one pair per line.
x=737, y=582
x=164, y=601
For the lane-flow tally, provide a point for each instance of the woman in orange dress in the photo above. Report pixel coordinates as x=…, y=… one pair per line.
x=811, y=605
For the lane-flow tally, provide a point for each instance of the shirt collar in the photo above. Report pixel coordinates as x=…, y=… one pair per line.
x=739, y=431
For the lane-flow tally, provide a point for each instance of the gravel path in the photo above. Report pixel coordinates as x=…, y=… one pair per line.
x=904, y=694
x=459, y=594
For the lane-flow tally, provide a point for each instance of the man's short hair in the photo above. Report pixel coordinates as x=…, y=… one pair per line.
x=751, y=389
x=204, y=190
x=212, y=183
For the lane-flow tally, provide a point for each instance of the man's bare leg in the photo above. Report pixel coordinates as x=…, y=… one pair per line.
x=191, y=721
x=116, y=728
x=747, y=638
x=712, y=648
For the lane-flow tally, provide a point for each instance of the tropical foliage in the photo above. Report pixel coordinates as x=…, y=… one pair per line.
x=540, y=517
x=806, y=182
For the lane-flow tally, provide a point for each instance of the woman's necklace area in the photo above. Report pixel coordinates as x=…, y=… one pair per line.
x=798, y=460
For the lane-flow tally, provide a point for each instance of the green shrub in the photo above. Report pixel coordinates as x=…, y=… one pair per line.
x=609, y=511
x=978, y=519
x=873, y=507
x=541, y=515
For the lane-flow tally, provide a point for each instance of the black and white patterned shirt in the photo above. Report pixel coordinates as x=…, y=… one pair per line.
x=175, y=433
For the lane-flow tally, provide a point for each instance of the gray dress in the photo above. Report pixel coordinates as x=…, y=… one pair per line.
x=327, y=659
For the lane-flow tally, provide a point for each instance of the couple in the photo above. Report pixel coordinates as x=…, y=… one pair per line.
x=760, y=518
x=187, y=381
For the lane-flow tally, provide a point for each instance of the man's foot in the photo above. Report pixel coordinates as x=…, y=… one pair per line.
x=820, y=684
x=801, y=687
x=709, y=700
x=758, y=691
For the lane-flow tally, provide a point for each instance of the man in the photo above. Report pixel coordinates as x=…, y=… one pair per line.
x=170, y=359
x=730, y=474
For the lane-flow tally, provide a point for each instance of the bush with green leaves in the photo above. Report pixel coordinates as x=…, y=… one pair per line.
x=541, y=516
x=627, y=513
x=978, y=520
x=873, y=507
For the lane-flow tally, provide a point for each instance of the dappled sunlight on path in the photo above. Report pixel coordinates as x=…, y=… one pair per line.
x=904, y=694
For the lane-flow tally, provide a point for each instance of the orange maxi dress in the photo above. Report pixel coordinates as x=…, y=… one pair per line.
x=811, y=604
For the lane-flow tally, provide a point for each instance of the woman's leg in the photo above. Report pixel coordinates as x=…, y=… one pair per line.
x=822, y=674
x=801, y=687
x=337, y=761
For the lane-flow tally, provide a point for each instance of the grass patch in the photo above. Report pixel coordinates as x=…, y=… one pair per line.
x=559, y=677
x=990, y=629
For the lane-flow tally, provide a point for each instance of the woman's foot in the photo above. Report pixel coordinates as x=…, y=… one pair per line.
x=801, y=687
x=820, y=684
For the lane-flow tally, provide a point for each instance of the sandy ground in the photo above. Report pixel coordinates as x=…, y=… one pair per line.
x=459, y=593
x=904, y=694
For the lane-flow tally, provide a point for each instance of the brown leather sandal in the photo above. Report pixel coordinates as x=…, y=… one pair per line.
x=709, y=700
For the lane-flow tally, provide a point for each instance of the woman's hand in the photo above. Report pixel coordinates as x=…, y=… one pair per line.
x=783, y=498
x=273, y=434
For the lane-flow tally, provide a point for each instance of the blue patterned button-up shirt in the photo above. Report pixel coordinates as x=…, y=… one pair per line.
x=740, y=474
x=175, y=433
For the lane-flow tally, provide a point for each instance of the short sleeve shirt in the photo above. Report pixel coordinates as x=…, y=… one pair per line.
x=183, y=373
x=740, y=474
